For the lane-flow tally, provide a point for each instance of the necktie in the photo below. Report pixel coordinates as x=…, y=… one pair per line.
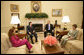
x=48, y=26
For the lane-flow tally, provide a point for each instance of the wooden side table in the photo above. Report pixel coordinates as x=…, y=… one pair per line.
x=21, y=36
x=57, y=25
x=61, y=33
x=64, y=32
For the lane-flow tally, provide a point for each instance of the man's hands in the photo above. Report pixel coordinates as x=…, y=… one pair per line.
x=34, y=31
x=45, y=30
x=52, y=30
x=30, y=33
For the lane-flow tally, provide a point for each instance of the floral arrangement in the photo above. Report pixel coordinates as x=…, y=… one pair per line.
x=50, y=40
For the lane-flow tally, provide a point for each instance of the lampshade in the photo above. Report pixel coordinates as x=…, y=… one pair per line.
x=15, y=20
x=66, y=19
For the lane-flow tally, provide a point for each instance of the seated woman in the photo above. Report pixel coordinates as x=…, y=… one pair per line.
x=72, y=34
x=16, y=42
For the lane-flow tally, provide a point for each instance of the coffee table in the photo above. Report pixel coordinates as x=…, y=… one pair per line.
x=52, y=50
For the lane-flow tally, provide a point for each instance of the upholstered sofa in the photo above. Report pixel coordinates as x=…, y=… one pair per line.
x=75, y=46
x=6, y=47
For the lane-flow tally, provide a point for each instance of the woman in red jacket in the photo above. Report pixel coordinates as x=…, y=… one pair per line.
x=16, y=42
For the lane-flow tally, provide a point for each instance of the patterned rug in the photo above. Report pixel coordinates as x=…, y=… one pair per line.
x=37, y=45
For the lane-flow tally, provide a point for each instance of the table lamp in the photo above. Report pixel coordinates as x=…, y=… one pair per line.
x=65, y=20
x=15, y=20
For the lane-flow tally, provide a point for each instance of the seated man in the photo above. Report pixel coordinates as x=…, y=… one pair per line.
x=72, y=34
x=31, y=32
x=48, y=29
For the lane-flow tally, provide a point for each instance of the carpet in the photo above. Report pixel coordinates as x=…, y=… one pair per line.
x=37, y=45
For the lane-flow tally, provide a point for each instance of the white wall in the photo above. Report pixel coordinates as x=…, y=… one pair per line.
x=71, y=8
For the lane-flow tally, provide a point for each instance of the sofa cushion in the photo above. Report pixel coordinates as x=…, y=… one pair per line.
x=81, y=38
x=79, y=34
x=20, y=47
x=2, y=49
x=4, y=41
x=17, y=50
x=78, y=44
x=13, y=50
x=9, y=43
x=74, y=46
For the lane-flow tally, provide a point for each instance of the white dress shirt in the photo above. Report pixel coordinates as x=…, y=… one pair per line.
x=48, y=26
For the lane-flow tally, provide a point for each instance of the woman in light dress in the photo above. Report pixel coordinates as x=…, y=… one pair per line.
x=72, y=34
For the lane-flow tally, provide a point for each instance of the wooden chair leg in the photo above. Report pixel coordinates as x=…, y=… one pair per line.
x=41, y=45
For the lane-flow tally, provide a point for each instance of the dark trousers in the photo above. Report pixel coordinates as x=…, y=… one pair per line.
x=31, y=36
x=45, y=33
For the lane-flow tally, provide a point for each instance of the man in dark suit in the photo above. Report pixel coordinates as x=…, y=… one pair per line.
x=49, y=29
x=31, y=32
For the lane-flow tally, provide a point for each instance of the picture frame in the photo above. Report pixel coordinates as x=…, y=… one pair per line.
x=14, y=8
x=35, y=6
x=56, y=12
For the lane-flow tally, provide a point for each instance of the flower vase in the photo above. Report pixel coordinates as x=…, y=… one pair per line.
x=49, y=45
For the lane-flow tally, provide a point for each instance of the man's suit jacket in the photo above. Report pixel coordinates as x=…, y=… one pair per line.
x=30, y=29
x=51, y=27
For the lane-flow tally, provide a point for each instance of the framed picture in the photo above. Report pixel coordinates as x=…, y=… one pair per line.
x=14, y=8
x=57, y=12
x=35, y=6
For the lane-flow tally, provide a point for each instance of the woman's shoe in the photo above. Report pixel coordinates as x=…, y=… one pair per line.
x=36, y=41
